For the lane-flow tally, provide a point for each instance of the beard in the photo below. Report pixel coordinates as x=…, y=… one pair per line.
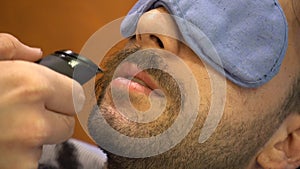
x=231, y=146
x=114, y=114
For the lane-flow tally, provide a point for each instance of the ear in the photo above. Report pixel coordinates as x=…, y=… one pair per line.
x=283, y=149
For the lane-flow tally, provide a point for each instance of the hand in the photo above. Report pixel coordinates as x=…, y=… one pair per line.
x=36, y=105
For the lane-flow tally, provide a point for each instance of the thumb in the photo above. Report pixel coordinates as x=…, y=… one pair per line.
x=12, y=49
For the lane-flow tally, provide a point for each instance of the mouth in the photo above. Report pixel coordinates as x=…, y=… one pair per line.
x=129, y=77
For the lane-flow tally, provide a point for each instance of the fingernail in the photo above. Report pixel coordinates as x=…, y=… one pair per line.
x=36, y=50
x=78, y=97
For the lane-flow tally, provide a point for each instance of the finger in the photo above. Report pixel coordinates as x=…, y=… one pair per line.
x=12, y=49
x=31, y=126
x=58, y=128
x=46, y=127
x=34, y=83
x=21, y=157
x=67, y=96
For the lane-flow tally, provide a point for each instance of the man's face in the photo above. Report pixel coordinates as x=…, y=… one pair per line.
x=137, y=85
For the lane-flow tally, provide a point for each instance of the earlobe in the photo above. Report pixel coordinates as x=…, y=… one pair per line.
x=283, y=149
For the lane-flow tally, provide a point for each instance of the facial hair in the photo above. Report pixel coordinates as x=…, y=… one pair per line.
x=228, y=147
x=115, y=119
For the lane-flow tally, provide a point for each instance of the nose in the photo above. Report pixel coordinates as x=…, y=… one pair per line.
x=157, y=29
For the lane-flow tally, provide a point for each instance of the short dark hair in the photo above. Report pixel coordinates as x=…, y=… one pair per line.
x=293, y=102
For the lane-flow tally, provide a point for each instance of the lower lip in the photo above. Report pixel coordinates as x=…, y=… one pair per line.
x=126, y=84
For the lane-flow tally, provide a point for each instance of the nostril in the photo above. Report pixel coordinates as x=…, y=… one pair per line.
x=157, y=41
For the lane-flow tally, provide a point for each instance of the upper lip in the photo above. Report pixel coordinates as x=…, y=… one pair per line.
x=131, y=71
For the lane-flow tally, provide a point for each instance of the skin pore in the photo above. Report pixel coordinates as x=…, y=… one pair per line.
x=251, y=116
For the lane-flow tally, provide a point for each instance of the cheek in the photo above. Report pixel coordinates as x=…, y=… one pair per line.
x=201, y=75
x=197, y=67
x=246, y=105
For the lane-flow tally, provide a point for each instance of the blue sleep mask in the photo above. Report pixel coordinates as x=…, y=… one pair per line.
x=245, y=40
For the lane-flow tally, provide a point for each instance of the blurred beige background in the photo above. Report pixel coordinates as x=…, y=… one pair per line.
x=56, y=24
